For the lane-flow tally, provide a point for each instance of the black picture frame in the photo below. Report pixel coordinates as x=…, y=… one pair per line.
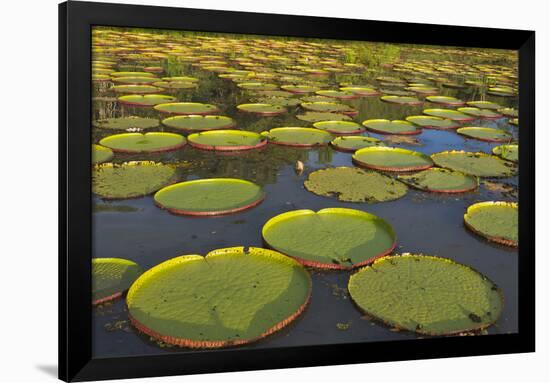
x=75, y=237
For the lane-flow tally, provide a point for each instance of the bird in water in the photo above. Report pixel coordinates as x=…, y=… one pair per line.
x=299, y=167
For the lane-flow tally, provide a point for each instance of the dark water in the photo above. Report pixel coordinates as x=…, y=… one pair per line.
x=424, y=222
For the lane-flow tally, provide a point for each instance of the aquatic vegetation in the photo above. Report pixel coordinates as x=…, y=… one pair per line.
x=257, y=86
x=101, y=154
x=211, y=196
x=341, y=94
x=383, y=126
x=427, y=295
x=328, y=107
x=198, y=123
x=145, y=100
x=445, y=100
x=449, y=113
x=440, y=181
x=391, y=159
x=432, y=122
x=136, y=89
x=495, y=221
x=481, y=113
x=300, y=88
x=507, y=152
x=296, y=136
x=111, y=277
x=322, y=116
x=509, y=112
x=175, y=85
x=502, y=91
x=339, y=127
x=227, y=140
x=126, y=123
x=484, y=105
x=229, y=297
x=485, y=134
x=186, y=108
x=262, y=109
x=332, y=238
x=361, y=90
x=137, y=80
x=153, y=142
x=354, y=185
x=403, y=100
x=353, y=143
x=476, y=164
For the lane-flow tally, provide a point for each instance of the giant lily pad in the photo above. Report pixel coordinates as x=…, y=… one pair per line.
x=485, y=134
x=211, y=196
x=353, y=143
x=171, y=85
x=111, y=277
x=154, y=142
x=322, y=116
x=136, y=89
x=508, y=152
x=495, y=221
x=477, y=164
x=509, y=112
x=361, y=90
x=257, y=86
x=227, y=140
x=484, y=104
x=432, y=122
x=197, y=123
x=262, y=109
x=131, y=179
x=339, y=127
x=137, y=80
x=427, y=295
x=502, y=91
x=402, y=100
x=296, y=136
x=449, y=113
x=187, y=108
x=391, y=159
x=126, y=123
x=300, y=88
x=382, y=126
x=440, y=181
x=328, y=107
x=341, y=94
x=101, y=154
x=145, y=100
x=229, y=297
x=481, y=113
x=333, y=238
x=131, y=74
x=445, y=100
x=354, y=185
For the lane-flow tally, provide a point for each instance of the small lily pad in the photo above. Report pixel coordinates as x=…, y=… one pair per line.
x=211, y=196
x=382, y=126
x=227, y=140
x=321, y=116
x=481, y=113
x=126, y=123
x=509, y=112
x=354, y=185
x=514, y=121
x=262, y=109
x=111, y=277
x=391, y=159
x=495, y=221
x=197, y=123
x=187, y=108
x=353, y=143
x=333, y=238
x=485, y=134
x=507, y=152
x=477, y=164
x=402, y=100
x=449, y=113
x=154, y=142
x=101, y=154
x=297, y=136
x=339, y=127
x=145, y=100
x=445, y=100
x=431, y=122
x=425, y=294
x=440, y=181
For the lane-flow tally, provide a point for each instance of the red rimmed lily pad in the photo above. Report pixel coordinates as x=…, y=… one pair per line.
x=101, y=154
x=339, y=127
x=439, y=180
x=300, y=89
x=298, y=136
x=361, y=90
x=322, y=116
x=484, y=105
x=485, y=134
x=198, y=123
x=502, y=91
x=126, y=123
x=187, y=108
x=140, y=80
x=432, y=122
x=257, y=86
x=227, y=140
x=136, y=89
x=477, y=164
x=262, y=109
x=145, y=100
x=480, y=113
x=111, y=277
x=449, y=114
x=391, y=159
x=507, y=152
x=329, y=107
x=382, y=126
x=495, y=221
x=353, y=143
x=402, y=100
x=341, y=94
x=154, y=142
x=509, y=112
x=445, y=100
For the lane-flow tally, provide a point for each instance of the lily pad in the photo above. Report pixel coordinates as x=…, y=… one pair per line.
x=361, y=90
x=353, y=143
x=137, y=80
x=333, y=238
x=131, y=74
x=136, y=89
x=382, y=126
x=449, y=113
x=297, y=136
x=211, y=196
x=477, y=164
x=227, y=140
x=257, y=86
x=354, y=185
x=514, y=121
x=111, y=277
x=341, y=94
x=145, y=100
x=126, y=123
x=339, y=127
x=431, y=122
x=328, y=107
x=391, y=159
x=230, y=297
x=175, y=85
x=279, y=101
x=197, y=123
x=481, y=113
x=300, y=88
x=425, y=294
x=130, y=179
x=154, y=142
x=508, y=152
x=262, y=109
x=101, y=154
x=423, y=89
x=495, y=221
x=502, y=92
x=484, y=105
x=321, y=116
x=402, y=100
x=445, y=100
x=485, y=134
x=187, y=108
x=440, y=181
x=509, y=112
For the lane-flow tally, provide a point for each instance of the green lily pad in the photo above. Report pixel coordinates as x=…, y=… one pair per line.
x=353, y=143
x=187, y=108
x=197, y=123
x=514, y=121
x=333, y=238
x=339, y=127
x=126, y=123
x=230, y=297
x=111, y=277
x=279, y=101
x=297, y=136
x=341, y=94
x=300, y=88
x=321, y=116
x=423, y=89
x=101, y=154
x=137, y=80
x=361, y=90
x=495, y=221
x=485, y=134
x=262, y=109
x=509, y=112
x=508, y=152
x=484, y=105
x=144, y=143
x=131, y=74
x=211, y=196
x=145, y=100
x=181, y=79
x=448, y=113
x=257, y=86
x=328, y=107
x=227, y=140
x=481, y=113
x=431, y=122
x=175, y=85
x=502, y=91
x=391, y=159
x=445, y=100
x=382, y=126
x=440, y=181
x=476, y=164
x=397, y=92
x=136, y=89
x=131, y=179
x=425, y=294
x=354, y=185
x=402, y=100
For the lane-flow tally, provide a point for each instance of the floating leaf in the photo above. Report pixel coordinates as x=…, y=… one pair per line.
x=227, y=140
x=484, y=104
x=432, y=122
x=403, y=100
x=101, y=154
x=361, y=90
x=341, y=94
x=328, y=107
x=391, y=159
x=495, y=221
x=502, y=91
x=187, y=108
x=448, y=113
x=353, y=143
x=126, y=123
x=425, y=294
x=136, y=89
x=111, y=277
x=154, y=142
x=382, y=126
x=440, y=181
x=197, y=123
x=262, y=109
x=445, y=100
x=145, y=100
x=321, y=116
x=257, y=86
x=481, y=113
x=508, y=152
x=485, y=134
x=297, y=136
x=477, y=164
x=339, y=127
x=509, y=112
x=300, y=88
x=137, y=80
